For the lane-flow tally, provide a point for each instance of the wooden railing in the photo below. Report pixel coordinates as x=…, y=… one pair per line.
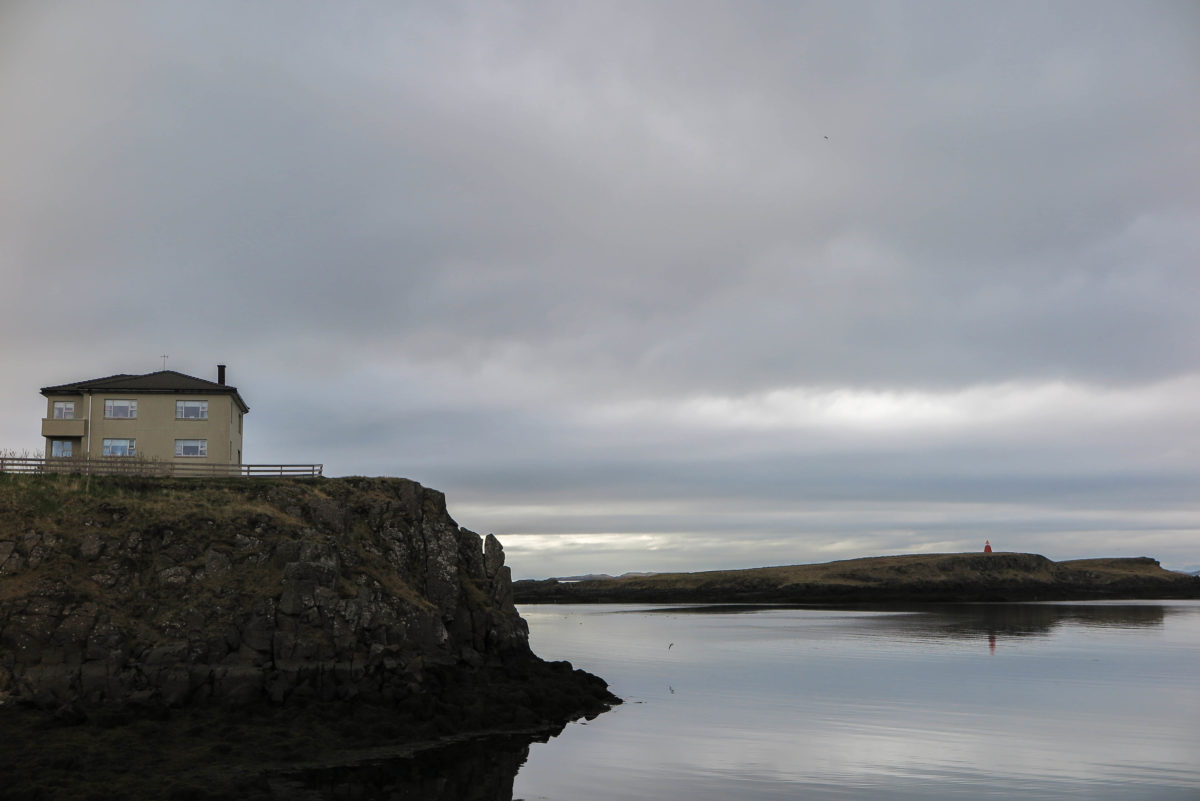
x=125, y=466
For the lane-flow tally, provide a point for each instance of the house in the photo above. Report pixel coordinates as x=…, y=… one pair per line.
x=165, y=416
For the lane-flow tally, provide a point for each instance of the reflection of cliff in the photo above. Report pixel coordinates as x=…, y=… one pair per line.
x=480, y=770
x=268, y=756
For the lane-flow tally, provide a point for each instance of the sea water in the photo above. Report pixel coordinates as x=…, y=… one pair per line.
x=993, y=701
x=1030, y=701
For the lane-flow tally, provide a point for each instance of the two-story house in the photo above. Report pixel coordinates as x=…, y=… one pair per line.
x=165, y=416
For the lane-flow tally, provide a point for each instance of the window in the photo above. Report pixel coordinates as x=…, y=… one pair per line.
x=120, y=408
x=120, y=447
x=191, y=410
x=191, y=447
x=64, y=410
x=60, y=448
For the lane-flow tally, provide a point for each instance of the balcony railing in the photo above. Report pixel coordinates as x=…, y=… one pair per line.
x=123, y=466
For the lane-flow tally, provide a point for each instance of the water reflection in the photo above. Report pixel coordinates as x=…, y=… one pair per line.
x=1001, y=621
x=1041, y=701
x=476, y=770
x=970, y=621
x=1015, y=617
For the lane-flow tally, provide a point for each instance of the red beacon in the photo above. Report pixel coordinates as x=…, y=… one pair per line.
x=987, y=546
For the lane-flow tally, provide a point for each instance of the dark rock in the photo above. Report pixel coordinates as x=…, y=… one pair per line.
x=493, y=555
x=174, y=593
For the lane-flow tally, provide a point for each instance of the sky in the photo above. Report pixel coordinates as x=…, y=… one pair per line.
x=641, y=286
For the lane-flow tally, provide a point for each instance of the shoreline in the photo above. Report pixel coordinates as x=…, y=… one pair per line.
x=913, y=578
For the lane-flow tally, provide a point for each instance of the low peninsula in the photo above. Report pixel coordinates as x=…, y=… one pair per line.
x=914, y=578
x=199, y=638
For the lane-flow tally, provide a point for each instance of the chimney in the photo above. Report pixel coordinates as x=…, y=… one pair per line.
x=221, y=374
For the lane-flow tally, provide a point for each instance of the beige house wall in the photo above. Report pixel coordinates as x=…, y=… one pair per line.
x=155, y=428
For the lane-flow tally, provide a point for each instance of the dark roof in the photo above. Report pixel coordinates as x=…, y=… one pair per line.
x=161, y=381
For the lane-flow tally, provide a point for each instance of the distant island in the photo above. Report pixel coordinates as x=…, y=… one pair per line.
x=915, y=578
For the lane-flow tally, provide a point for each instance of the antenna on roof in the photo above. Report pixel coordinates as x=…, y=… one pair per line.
x=164, y=358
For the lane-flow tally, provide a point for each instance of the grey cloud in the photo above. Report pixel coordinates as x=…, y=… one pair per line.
x=434, y=238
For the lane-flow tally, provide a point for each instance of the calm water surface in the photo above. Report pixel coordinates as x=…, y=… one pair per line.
x=1031, y=701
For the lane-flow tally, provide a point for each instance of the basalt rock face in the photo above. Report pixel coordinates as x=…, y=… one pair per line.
x=130, y=593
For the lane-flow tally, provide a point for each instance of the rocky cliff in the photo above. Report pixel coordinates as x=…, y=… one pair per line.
x=134, y=593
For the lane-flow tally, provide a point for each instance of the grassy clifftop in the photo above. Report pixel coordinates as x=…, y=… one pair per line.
x=916, y=577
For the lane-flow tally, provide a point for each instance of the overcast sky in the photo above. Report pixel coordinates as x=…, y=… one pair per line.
x=643, y=285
